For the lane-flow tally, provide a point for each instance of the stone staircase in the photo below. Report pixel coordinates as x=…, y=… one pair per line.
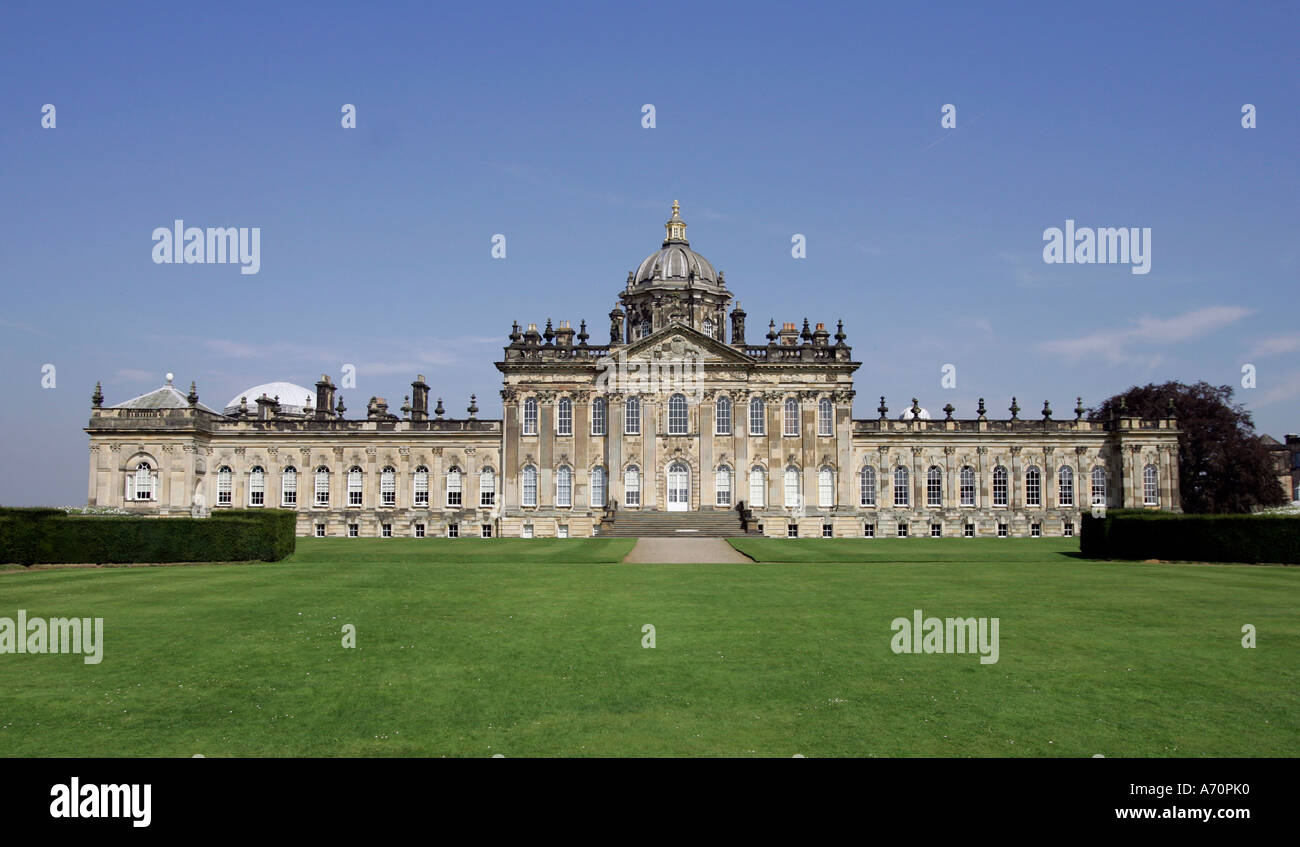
x=652, y=524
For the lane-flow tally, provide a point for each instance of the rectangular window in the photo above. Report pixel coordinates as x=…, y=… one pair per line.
x=388, y=489
x=934, y=490
x=723, y=418
x=453, y=487
x=530, y=416
x=598, y=417
x=757, y=417
x=792, y=530
x=320, y=530
x=322, y=488
x=632, y=487
x=527, y=531
x=1002, y=530
x=902, y=530
x=1036, y=530
x=453, y=530
x=387, y=531
x=354, y=530
x=722, y=487
x=967, y=487
x=564, y=419
x=825, y=419
x=632, y=417
x=1068, y=529
x=936, y=530
x=487, y=489
x=486, y=531
x=969, y=531
x=869, y=530
x=419, y=530
x=289, y=489
x=562, y=531
x=827, y=531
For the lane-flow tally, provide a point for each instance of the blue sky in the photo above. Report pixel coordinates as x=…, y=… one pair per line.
x=525, y=120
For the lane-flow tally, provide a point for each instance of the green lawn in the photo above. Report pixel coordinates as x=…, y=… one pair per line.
x=524, y=651
x=887, y=550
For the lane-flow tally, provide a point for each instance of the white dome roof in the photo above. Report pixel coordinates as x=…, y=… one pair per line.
x=909, y=415
x=292, y=397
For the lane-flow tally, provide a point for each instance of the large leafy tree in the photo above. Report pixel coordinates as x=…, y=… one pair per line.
x=1223, y=466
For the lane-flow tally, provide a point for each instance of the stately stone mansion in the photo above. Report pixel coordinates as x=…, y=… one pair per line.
x=678, y=413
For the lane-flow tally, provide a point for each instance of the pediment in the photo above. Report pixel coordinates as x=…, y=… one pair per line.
x=679, y=341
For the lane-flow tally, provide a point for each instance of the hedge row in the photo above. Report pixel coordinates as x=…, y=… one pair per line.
x=1133, y=534
x=41, y=536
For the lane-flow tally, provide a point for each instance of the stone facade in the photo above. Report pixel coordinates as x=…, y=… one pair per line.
x=668, y=416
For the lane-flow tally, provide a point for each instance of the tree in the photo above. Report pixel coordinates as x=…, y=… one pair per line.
x=1223, y=466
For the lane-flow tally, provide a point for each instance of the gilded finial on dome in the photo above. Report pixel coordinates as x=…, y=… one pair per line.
x=676, y=227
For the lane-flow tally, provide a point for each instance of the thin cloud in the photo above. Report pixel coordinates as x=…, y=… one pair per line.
x=1275, y=346
x=1124, y=345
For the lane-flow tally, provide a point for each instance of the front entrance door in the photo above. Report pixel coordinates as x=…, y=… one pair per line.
x=679, y=487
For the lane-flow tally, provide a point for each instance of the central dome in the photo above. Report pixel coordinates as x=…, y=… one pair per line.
x=292, y=397
x=675, y=261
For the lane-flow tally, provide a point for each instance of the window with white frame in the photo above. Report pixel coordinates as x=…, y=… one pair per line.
x=934, y=487
x=419, y=530
x=355, y=490
x=1150, y=487
x=999, y=486
x=289, y=486
x=791, y=486
x=722, y=486
x=529, y=485
x=632, y=486
x=791, y=416
x=322, y=486
x=454, y=490
x=598, y=410
x=902, y=486
x=677, y=424
x=757, y=416
x=968, y=486
x=388, y=487
x=487, y=487
x=530, y=416
x=598, y=487
x=1033, y=486
x=825, y=418
x=257, y=486
x=141, y=483
x=867, y=487
x=1065, y=486
x=564, y=486
x=564, y=417
x=825, y=487
x=225, y=485
x=722, y=416
x=1098, y=486
x=757, y=487
x=632, y=417
x=420, y=486
x=320, y=530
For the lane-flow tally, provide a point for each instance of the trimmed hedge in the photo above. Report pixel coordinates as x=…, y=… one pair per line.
x=43, y=536
x=1136, y=534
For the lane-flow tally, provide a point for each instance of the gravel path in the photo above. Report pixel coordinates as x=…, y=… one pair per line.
x=675, y=550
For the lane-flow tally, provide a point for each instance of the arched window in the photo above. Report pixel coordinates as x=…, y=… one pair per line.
x=722, y=486
x=632, y=419
x=564, y=417
x=530, y=416
x=141, y=486
x=632, y=486
x=1099, y=486
x=257, y=486
x=902, y=486
x=1150, y=487
x=825, y=418
x=757, y=416
x=968, y=486
x=598, y=488
x=677, y=415
x=867, y=486
x=420, y=486
x=722, y=423
x=1033, y=486
x=354, y=486
x=225, y=478
x=757, y=487
x=487, y=487
x=934, y=486
x=454, y=497
x=791, y=416
x=825, y=487
x=999, y=486
x=529, y=487
x=564, y=486
x=289, y=486
x=388, y=487
x=791, y=486
x=1065, y=486
x=708, y=327
x=598, y=416
x=322, y=486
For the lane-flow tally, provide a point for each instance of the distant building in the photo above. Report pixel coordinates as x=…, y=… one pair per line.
x=674, y=414
x=1286, y=462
